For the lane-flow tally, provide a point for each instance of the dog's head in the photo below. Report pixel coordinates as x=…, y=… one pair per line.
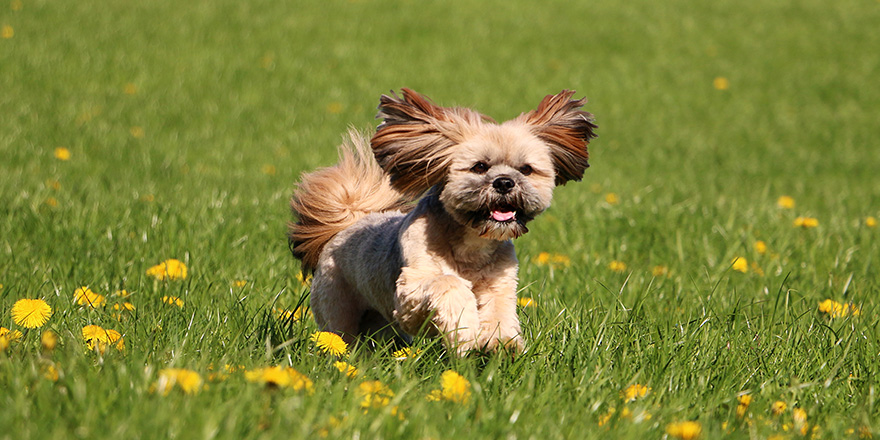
x=491, y=177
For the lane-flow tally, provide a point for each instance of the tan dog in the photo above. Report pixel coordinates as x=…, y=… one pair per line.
x=447, y=263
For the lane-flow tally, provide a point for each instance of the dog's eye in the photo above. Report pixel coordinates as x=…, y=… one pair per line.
x=526, y=170
x=480, y=168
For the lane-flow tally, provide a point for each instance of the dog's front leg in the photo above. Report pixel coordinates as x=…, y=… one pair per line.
x=499, y=324
x=430, y=300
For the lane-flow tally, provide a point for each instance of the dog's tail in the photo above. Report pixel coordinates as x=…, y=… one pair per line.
x=331, y=199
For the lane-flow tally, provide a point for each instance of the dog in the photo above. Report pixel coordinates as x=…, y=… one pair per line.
x=412, y=229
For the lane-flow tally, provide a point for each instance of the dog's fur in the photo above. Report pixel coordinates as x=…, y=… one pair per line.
x=446, y=264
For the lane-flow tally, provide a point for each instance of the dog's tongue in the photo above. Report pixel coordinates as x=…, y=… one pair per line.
x=503, y=216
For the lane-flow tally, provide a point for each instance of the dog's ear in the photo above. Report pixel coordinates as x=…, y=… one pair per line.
x=415, y=141
x=560, y=122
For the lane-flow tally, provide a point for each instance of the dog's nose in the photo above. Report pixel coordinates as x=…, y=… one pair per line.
x=503, y=184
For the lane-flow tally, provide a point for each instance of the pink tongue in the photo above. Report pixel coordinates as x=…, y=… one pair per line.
x=503, y=216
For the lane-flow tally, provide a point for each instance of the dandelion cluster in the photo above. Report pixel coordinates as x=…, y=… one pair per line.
x=170, y=269
x=189, y=381
x=280, y=377
x=687, y=430
x=835, y=309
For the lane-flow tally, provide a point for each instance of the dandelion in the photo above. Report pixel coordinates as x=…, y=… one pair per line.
x=526, y=302
x=31, y=313
x=62, y=153
x=51, y=202
x=280, y=377
x=48, y=340
x=687, y=430
x=85, y=296
x=871, y=222
x=10, y=335
x=744, y=401
x=605, y=418
x=173, y=301
x=129, y=89
x=406, y=353
x=453, y=388
x=375, y=394
x=122, y=294
x=778, y=407
x=114, y=337
x=660, y=271
x=51, y=373
x=721, y=83
x=187, y=380
x=835, y=309
x=304, y=280
x=238, y=284
x=330, y=343
x=137, y=132
x=806, y=222
x=617, y=266
x=288, y=315
x=740, y=264
x=7, y=32
x=268, y=170
x=612, y=199
x=760, y=247
x=634, y=391
x=95, y=336
x=785, y=202
x=344, y=367
x=170, y=269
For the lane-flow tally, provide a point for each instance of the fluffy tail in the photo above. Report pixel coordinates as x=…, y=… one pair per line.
x=331, y=199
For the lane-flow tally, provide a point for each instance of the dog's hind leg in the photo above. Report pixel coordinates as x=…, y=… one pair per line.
x=335, y=305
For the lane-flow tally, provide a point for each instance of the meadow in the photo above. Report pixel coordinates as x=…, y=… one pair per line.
x=715, y=274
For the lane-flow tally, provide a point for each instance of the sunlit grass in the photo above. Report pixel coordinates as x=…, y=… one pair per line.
x=722, y=245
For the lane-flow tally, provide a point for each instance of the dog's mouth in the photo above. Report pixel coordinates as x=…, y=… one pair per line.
x=503, y=214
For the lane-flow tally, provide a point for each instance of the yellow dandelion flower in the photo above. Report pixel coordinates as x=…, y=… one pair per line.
x=280, y=377
x=837, y=310
x=687, y=430
x=778, y=407
x=4, y=344
x=865, y=432
x=129, y=89
x=31, y=313
x=114, y=337
x=375, y=394
x=268, y=170
x=50, y=373
x=543, y=258
x=62, y=153
x=741, y=411
x=345, y=367
x=238, y=284
x=330, y=343
x=406, y=353
x=288, y=315
x=617, y=266
x=126, y=307
x=51, y=201
x=48, y=340
x=7, y=32
x=612, y=199
x=173, y=301
x=744, y=399
x=304, y=280
x=633, y=392
x=660, y=271
x=122, y=293
x=526, y=302
x=740, y=264
x=806, y=222
x=605, y=418
x=721, y=83
x=799, y=415
x=10, y=335
x=137, y=132
x=871, y=222
x=85, y=296
x=189, y=381
x=95, y=336
x=170, y=269
x=785, y=202
x=760, y=247
x=453, y=387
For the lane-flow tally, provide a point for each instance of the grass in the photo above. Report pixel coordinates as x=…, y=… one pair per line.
x=189, y=123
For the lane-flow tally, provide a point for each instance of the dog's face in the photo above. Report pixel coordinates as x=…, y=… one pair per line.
x=492, y=177
x=499, y=179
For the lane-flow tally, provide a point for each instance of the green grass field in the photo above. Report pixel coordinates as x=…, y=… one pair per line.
x=188, y=123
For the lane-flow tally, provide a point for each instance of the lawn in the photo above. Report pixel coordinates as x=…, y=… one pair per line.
x=733, y=190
